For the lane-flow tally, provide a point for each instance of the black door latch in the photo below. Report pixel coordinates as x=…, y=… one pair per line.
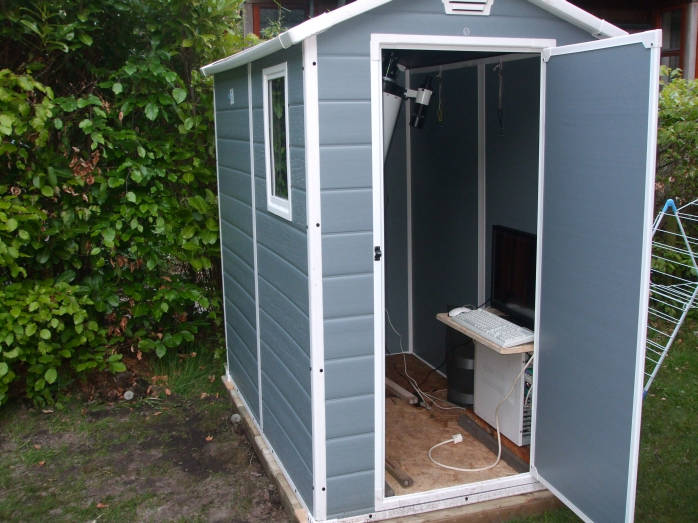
x=377, y=253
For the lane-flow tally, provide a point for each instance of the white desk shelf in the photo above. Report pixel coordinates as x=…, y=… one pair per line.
x=444, y=318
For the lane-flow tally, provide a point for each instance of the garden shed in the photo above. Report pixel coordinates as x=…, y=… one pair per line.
x=367, y=160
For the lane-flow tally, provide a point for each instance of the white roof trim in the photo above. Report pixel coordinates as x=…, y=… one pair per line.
x=597, y=27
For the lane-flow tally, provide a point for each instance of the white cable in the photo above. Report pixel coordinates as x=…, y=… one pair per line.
x=411, y=380
x=424, y=396
x=457, y=438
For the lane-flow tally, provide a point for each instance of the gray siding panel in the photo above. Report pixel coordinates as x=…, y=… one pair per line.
x=347, y=296
x=344, y=90
x=238, y=237
x=236, y=212
x=343, y=413
x=283, y=289
x=235, y=184
x=348, y=210
x=347, y=376
x=234, y=196
x=340, y=253
x=234, y=154
x=345, y=122
x=291, y=457
x=351, y=492
x=348, y=456
x=350, y=336
x=345, y=167
x=234, y=125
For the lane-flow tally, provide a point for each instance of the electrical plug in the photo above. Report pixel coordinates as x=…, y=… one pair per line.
x=457, y=438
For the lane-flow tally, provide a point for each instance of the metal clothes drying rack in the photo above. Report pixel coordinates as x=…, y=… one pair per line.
x=673, y=281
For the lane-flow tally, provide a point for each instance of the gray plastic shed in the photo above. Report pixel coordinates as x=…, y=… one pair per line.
x=542, y=119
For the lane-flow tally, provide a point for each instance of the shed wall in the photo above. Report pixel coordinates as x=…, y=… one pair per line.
x=237, y=248
x=345, y=164
x=283, y=288
x=282, y=267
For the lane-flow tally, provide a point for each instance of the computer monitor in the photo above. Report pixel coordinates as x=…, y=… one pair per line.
x=514, y=274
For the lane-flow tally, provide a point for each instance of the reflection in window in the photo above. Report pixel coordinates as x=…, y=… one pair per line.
x=277, y=117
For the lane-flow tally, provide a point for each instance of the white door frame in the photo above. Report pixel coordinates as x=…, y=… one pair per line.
x=471, y=492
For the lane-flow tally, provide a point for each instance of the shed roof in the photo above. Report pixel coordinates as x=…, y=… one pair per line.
x=561, y=8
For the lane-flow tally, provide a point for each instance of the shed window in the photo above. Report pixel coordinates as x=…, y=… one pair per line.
x=276, y=141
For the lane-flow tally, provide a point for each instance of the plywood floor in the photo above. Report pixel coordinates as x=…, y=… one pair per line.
x=411, y=431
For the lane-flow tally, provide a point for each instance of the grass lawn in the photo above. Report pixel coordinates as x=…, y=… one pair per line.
x=172, y=458
x=178, y=457
x=667, y=483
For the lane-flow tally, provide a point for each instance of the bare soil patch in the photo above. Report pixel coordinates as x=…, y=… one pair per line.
x=172, y=459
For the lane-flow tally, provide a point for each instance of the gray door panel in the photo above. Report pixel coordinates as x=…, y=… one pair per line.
x=593, y=275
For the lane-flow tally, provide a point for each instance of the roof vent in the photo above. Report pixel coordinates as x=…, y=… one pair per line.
x=468, y=7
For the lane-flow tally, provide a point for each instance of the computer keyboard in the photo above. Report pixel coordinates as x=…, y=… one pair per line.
x=492, y=327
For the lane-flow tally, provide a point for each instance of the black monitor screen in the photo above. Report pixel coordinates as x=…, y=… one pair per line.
x=514, y=274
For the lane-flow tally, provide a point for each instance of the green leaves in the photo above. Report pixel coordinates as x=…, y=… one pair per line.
x=151, y=111
x=50, y=375
x=179, y=95
x=108, y=214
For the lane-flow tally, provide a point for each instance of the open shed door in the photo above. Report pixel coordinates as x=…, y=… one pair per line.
x=598, y=155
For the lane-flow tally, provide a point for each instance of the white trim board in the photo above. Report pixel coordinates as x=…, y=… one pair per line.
x=315, y=291
x=646, y=265
x=539, y=256
x=566, y=11
x=650, y=39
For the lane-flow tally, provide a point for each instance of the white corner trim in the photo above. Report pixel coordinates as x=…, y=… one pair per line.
x=253, y=199
x=649, y=39
x=560, y=8
x=378, y=272
x=644, y=299
x=315, y=291
x=276, y=205
x=539, y=258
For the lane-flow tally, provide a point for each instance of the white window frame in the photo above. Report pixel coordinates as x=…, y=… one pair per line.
x=275, y=204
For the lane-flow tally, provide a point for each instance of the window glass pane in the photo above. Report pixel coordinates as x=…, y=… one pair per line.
x=671, y=29
x=277, y=120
